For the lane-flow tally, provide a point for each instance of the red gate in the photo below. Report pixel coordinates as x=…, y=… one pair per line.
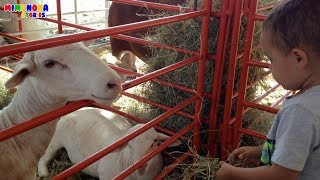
x=229, y=15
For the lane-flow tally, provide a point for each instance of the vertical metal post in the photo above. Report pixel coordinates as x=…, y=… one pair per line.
x=75, y=11
x=216, y=86
x=244, y=71
x=20, y=22
x=201, y=70
x=107, y=5
x=231, y=74
x=59, y=16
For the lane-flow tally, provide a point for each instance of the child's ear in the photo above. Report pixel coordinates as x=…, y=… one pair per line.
x=300, y=56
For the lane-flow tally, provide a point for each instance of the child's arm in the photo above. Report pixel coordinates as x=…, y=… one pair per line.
x=274, y=172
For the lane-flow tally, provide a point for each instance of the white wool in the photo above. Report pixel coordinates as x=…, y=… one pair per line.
x=47, y=79
x=88, y=130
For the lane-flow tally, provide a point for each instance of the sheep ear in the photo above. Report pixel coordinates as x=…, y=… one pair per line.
x=163, y=137
x=128, y=57
x=22, y=70
x=88, y=42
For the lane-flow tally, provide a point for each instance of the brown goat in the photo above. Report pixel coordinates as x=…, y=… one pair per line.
x=120, y=14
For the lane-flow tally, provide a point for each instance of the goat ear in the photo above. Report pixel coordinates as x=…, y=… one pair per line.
x=88, y=42
x=22, y=70
x=163, y=137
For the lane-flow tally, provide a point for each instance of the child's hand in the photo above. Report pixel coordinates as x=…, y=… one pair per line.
x=225, y=171
x=246, y=153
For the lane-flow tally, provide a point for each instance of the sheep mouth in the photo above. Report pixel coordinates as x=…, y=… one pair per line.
x=102, y=98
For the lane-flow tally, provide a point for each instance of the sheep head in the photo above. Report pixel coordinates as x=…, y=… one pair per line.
x=70, y=71
x=142, y=145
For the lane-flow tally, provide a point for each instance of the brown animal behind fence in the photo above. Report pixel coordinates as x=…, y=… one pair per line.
x=120, y=14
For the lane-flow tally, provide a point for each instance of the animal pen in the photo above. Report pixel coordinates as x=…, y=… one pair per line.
x=223, y=133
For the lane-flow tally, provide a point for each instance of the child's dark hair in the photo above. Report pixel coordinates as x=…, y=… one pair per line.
x=295, y=24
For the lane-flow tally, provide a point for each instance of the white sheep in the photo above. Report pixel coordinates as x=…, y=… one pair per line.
x=48, y=79
x=88, y=130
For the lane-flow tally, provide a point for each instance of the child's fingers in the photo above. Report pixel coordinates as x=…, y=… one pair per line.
x=221, y=163
x=235, y=154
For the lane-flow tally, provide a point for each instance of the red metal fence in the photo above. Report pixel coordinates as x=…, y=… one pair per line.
x=230, y=129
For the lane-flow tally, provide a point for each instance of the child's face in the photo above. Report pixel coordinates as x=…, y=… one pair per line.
x=283, y=66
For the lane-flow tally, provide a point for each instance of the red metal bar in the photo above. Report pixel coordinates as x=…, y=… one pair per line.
x=256, y=101
x=156, y=151
x=250, y=85
x=42, y=119
x=83, y=164
x=201, y=71
x=246, y=8
x=260, y=17
x=59, y=16
x=12, y=37
x=244, y=71
x=180, y=87
x=281, y=99
x=156, y=104
x=258, y=64
x=158, y=45
x=259, y=106
x=266, y=7
x=183, y=88
x=153, y=5
x=252, y=133
x=162, y=71
x=19, y=21
x=72, y=38
x=222, y=44
x=231, y=76
x=130, y=38
x=6, y=69
x=173, y=165
x=160, y=6
x=267, y=93
x=240, y=55
x=166, y=131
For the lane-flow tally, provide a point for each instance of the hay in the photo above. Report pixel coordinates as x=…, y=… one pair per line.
x=201, y=167
x=5, y=94
x=186, y=35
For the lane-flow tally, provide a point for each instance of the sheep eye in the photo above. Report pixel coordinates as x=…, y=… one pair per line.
x=49, y=63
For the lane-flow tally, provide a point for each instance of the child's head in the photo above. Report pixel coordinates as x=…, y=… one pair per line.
x=291, y=39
